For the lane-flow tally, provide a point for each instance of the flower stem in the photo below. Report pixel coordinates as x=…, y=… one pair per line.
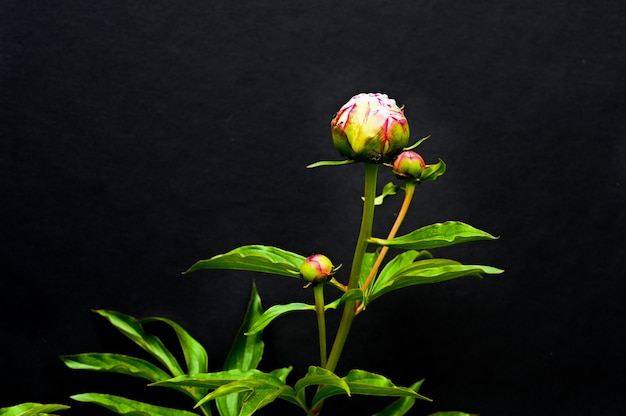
x=409, y=191
x=318, y=291
x=371, y=176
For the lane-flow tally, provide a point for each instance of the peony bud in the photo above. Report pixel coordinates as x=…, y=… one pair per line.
x=317, y=268
x=409, y=164
x=370, y=128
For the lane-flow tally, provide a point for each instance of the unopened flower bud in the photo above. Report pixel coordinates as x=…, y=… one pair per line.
x=317, y=268
x=409, y=164
x=370, y=128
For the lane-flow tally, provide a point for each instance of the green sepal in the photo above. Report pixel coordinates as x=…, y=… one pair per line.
x=116, y=363
x=124, y=406
x=420, y=141
x=245, y=354
x=436, y=235
x=331, y=163
x=365, y=383
x=32, y=409
x=402, y=405
x=433, y=171
x=429, y=271
x=255, y=258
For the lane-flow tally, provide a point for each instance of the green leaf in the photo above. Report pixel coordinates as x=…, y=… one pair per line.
x=276, y=311
x=436, y=235
x=366, y=383
x=401, y=260
x=31, y=409
x=452, y=414
x=255, y=258
x=260, y=394
x=217, y=379
x=432, y=172
x=388, y=190
x=115, y=363
x=245, y=353
x=124, y=406
x=430, y=271
x=368, y=262
x=317, y=376
x=352, y=294
x=133, y=329
x=236, y=381
x=330, y=163
x=402, y=405
x=195, y=355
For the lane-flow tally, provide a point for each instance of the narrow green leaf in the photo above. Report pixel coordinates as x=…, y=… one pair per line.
x=402, y=405
x=368, y=262
x=453, y=414
x=436, y=235
x=195, y=355
x=31, y=409
x=317, y=376
x=330, y=163
x=254, y=381
x=281, y=373
x=262, y=397
x=276, y=311
x=352, y=294
x=396, y=263
x=124, y=406
x=255, y=258
x=388, y=190
x=430, y=271
x=365, y=383
x=245, y=353
x=115, y=363
x=217, y=379
x=133, y=329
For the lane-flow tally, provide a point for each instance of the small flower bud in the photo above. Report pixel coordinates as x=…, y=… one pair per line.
x=409, y=164
x=317, y=268
x=370, y=128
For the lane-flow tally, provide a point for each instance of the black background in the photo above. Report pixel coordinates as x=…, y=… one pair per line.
x=139, y=137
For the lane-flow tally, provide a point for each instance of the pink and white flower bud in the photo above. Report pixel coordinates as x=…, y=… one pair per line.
x=370, y=128
x=409, y=164
x=317, y=268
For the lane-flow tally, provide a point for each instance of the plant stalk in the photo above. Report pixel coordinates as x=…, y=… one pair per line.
x=409, y=191
x=318, y=291
x=371, y=177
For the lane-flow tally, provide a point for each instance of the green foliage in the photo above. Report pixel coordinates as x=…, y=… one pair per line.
x=427, y=271
x=245, y=354
x=32, y=409
x=436, y=235
x=402, y=405
x=124, y=406
x=240, y=388
x=255, y=258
